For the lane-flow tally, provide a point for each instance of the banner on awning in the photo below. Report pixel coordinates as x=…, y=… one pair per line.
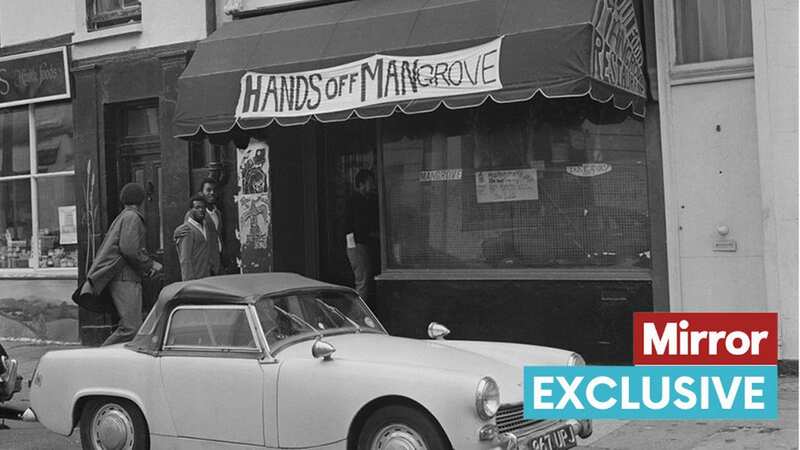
x=370, y=81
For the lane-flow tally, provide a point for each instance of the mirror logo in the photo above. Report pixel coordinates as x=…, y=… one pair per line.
x=686, y=366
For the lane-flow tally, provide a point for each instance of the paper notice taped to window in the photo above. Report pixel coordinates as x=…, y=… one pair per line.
x=506, y=185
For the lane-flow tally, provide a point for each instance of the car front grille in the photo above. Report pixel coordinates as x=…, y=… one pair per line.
x=510, y=419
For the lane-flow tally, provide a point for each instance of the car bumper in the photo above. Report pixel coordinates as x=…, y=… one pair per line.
x=510, y=441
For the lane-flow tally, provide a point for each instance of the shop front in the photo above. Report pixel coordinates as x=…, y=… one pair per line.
x=509, y=139
x=38, y=220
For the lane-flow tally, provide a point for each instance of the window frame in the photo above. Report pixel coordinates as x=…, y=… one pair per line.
x=701, y=72
x=100, y=21
x=258, y=351
x=34, y=176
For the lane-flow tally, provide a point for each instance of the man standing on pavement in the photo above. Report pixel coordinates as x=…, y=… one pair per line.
x=192, y=241
x=213, y=219
x=361, y=232
x=122, y=261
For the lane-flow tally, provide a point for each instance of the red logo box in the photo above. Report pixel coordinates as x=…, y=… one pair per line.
x=705, y=338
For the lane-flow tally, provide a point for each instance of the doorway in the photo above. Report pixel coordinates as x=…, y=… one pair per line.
x=134, y=155
x=347, y=148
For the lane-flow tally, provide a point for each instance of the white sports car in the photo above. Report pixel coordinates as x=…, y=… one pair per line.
x=281, y=361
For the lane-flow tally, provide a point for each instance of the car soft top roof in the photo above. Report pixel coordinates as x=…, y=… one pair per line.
x=238, y=288
x=231, y=289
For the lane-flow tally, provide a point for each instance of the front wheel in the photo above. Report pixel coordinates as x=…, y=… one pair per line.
x=113, y=424
x=399, y=427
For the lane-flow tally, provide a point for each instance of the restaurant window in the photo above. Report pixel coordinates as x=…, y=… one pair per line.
x=543, y=184
x=107, y=13
x=712, y=30
x=38, y=223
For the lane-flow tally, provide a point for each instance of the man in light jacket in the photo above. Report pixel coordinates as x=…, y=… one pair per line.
x=213, y=225
x=193, y=239
x=122, y=261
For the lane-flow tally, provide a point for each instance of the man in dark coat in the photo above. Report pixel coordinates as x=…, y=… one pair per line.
x=122, y=261
x=193, y=241
x=361, y=232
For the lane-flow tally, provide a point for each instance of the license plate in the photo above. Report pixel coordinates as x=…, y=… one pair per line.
x=558, y=439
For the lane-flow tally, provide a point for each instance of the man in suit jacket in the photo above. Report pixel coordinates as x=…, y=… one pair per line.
x=194, y=240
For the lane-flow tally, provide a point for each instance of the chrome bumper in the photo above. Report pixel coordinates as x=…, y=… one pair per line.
x=510, y=441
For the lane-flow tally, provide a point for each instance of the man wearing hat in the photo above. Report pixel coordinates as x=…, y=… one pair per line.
x=122, y=261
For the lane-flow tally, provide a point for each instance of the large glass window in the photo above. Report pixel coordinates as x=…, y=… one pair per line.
x=712, y=30
x=525, y=185
x=38, y=223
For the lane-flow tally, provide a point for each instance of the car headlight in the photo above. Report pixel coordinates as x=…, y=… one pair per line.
x=487, y=398
x=576, y=360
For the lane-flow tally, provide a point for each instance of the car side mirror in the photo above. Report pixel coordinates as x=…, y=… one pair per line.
x=437, y=331
x=322, y=349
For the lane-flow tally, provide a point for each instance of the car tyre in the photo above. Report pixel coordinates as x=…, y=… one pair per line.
x=113, y=423
x=400, y=426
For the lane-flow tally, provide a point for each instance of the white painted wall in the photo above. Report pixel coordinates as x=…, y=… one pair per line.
x=775, y=51
x=163, y=23
x=31, y=20
x=743, y=176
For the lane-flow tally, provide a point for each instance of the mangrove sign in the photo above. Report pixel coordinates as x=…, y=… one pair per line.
x=370, y=81
x=34, y=77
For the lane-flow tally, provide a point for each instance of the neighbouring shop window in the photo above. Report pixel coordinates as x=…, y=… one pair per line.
x=38, y=223
x=107, y=13
x=712, y=30
x=526, y=185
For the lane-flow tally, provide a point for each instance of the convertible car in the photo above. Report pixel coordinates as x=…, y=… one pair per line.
x=281, y=361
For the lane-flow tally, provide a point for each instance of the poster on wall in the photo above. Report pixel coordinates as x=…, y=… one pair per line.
x=254, y=207
x=255, y=232
x=67, y=225
x=506, y=185
x=253, y=166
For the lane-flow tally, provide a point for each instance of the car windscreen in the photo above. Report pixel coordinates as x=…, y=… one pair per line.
x=285, y=318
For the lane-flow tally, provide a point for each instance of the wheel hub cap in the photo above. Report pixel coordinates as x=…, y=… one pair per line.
x=113, y=428
x=398, y=437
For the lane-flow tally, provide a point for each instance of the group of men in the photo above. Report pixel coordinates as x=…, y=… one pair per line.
x=199, y=238
x=123, y=261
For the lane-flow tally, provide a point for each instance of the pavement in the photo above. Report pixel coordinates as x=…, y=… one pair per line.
x=608, y=434
x=705, y=435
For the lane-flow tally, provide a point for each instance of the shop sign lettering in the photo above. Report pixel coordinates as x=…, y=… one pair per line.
x=440, y=175
x=617, y=49
x=34, y=77
x=589, y=169
x=506, y=185
x=370, y=81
